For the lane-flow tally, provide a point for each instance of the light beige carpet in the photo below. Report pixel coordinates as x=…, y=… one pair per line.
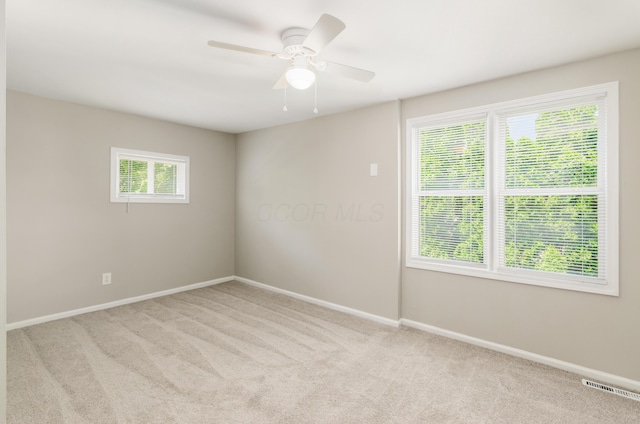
x=233, y=353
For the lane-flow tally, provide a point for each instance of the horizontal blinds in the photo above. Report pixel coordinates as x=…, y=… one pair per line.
x=143, y=176
x=556, y=147
x=450, y=202
x=165, y=177
x=452, y=156
x=133, y=176
x=551, y=197
x=452, y=228
x=552, y=234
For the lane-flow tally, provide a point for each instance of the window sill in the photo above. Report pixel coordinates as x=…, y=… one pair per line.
x=515, y=277
x=149, y=200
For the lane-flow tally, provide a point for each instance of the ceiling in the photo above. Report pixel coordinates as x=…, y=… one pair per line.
x=150, y=57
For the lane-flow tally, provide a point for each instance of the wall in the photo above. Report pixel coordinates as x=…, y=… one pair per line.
x=63, y=232
x=3, y=221
x=594, y=331
x=309, y=217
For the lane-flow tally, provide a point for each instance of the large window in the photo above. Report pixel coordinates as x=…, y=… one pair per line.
x=138, y=176
x=523, y=191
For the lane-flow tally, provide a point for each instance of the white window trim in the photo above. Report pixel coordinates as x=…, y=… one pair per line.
x=492, y=271
x=183, y=177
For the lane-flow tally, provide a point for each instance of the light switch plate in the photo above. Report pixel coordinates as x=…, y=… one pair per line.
x=373, y=169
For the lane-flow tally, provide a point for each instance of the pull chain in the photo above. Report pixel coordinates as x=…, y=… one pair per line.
x=285, y=99
x=315, y=105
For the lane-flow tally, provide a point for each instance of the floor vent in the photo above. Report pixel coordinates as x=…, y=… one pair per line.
x=614, y=390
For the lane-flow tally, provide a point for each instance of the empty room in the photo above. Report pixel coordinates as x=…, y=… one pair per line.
x=320, y=211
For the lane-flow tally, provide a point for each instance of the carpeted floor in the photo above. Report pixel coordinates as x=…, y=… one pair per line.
x=233, y=353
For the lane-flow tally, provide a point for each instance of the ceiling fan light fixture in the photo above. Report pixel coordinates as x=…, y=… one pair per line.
x=299, y=75
x=300, y=78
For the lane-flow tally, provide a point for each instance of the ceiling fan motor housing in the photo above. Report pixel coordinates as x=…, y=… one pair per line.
x=293, y=40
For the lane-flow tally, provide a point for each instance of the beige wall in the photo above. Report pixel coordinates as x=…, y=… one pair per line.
x=309, y=217
x=3, y=204
x=63, y=232
x=595, y=331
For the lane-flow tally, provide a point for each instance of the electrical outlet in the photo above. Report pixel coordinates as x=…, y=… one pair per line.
x=106, y=278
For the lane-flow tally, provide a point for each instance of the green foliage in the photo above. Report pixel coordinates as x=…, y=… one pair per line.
x=134, y=177
x=166, y=179
x=563, y=152
x=552, y=233
x=452, y=228
x=452, y=157
x=543, y=231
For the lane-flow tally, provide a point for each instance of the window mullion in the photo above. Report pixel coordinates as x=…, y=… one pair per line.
x=414, y=163
x=151, y=176
x=492, y=179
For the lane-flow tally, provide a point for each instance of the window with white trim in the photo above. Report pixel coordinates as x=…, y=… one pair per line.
x=148, y=177
x=523, y=191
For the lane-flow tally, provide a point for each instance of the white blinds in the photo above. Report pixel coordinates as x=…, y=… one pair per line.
x=139, y=176
x=523, y=191
x=552, y=196
x=133, y=176
x=452, y=155
x=450, y=199
x=147, y=176
x=165, y=178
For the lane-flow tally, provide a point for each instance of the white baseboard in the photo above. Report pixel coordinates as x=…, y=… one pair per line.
x=329, y=305
x=66, y=314
x=603, y=377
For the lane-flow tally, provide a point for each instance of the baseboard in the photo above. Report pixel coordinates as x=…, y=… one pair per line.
x=313, y=300
x=603, y=377
x=66, y=314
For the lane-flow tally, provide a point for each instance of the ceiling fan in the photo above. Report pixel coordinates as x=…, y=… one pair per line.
x=300, y=47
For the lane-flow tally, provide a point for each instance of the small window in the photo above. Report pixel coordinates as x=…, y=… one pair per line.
x=148, y=177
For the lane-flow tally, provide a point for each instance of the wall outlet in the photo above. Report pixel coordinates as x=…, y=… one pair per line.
x=106, y=278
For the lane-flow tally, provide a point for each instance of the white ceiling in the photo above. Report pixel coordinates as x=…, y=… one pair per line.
x=150, y=57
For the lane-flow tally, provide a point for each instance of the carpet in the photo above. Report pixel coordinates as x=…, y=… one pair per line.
x=233, y=353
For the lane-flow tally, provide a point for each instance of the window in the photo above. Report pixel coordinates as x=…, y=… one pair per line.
x=138, y=176
x=523, y=191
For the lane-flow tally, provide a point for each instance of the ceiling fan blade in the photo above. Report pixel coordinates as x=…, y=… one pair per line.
x=325, y=30
x=235, y=47
x=281, y=84
x=349, y=72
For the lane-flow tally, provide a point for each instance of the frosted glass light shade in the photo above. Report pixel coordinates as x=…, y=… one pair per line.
x=300, y=78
